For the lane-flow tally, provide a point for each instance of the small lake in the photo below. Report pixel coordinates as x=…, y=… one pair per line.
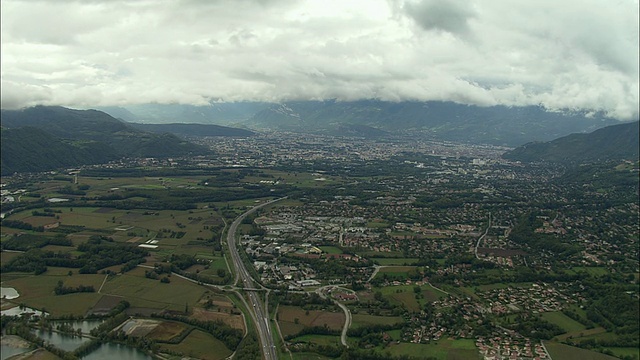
x=69, y=343
x=8, y=293
x=106, y=351
x=62, y=341
x=111, y=351
x=84, y=325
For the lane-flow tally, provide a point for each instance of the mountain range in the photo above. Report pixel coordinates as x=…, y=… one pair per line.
x=614, y=142
x=439, y=120
x=47, y=137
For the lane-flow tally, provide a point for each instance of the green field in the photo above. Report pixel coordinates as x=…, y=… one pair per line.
x=407, y=299
x=148, y=293
x=360, y=320
x=625, y=351
x=292, y=319
x=308, y=356
x=591, y=270
x=317, y=339
x=330, y=249
x=378, y=254
x=38, y=291
x=443, y=349
x=396, y=261
x=202, y=346
x=405, y=295
x=562, y=320
x=396, y=272
x=566, y=352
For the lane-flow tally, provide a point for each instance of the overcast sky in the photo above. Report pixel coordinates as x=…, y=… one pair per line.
x=576, y=54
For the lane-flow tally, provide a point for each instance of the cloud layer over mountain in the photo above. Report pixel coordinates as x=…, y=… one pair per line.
x=576, y=54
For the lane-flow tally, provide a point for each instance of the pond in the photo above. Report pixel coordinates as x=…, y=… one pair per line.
x=106, y=351
x=84, y=325
x=62, y=341
x=8, y=293
x=111, y=351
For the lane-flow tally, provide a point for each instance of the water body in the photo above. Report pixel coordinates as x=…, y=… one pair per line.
x=62, y=341
x=84, y=325
x=8, y=293
x=111, y=351
x=106, y=351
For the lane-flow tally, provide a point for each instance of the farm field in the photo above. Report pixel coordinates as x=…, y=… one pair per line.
x=201, y=345
x=562, y=320
x=287, y=316
x=395, y=261
x=308, y=356
x=359, y=320
x=149, y=293
x=38, y=291
x=331, y=249
x=167, y=330
x=396, y=272
x=405, y=295
x=566, y=352
x=442, y=350
x=317, y=339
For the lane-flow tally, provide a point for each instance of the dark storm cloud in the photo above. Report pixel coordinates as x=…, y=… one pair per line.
x=444, y=15
x=577, y=54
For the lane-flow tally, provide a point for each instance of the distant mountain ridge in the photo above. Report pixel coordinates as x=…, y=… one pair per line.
x=193, y=129
x=215, y=113
x=67, y=137
x=614, y=142
x=438, y=120
x=498, y=125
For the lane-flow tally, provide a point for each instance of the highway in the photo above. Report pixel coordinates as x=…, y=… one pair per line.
x=257, y=310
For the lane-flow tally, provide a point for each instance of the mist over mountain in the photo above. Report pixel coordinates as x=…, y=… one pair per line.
x=215, y=113
x=193, y=129
x=497, y=125
x=439, y=120
x=614, y=142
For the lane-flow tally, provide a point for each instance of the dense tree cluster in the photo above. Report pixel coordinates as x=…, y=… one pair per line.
x=60, y=289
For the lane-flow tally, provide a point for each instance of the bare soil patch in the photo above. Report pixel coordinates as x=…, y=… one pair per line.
x=166, y=331
x=105, y=304
x=233, y=320
x=139, y=327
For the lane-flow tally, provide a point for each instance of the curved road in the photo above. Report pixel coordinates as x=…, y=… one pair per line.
x=347, y=313
x=482, y=237
x=257, y=310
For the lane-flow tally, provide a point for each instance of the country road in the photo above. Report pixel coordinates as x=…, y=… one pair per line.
x=482, y=237
x=347, y=313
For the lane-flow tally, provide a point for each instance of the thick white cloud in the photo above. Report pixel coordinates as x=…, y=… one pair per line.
x=577, y=54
